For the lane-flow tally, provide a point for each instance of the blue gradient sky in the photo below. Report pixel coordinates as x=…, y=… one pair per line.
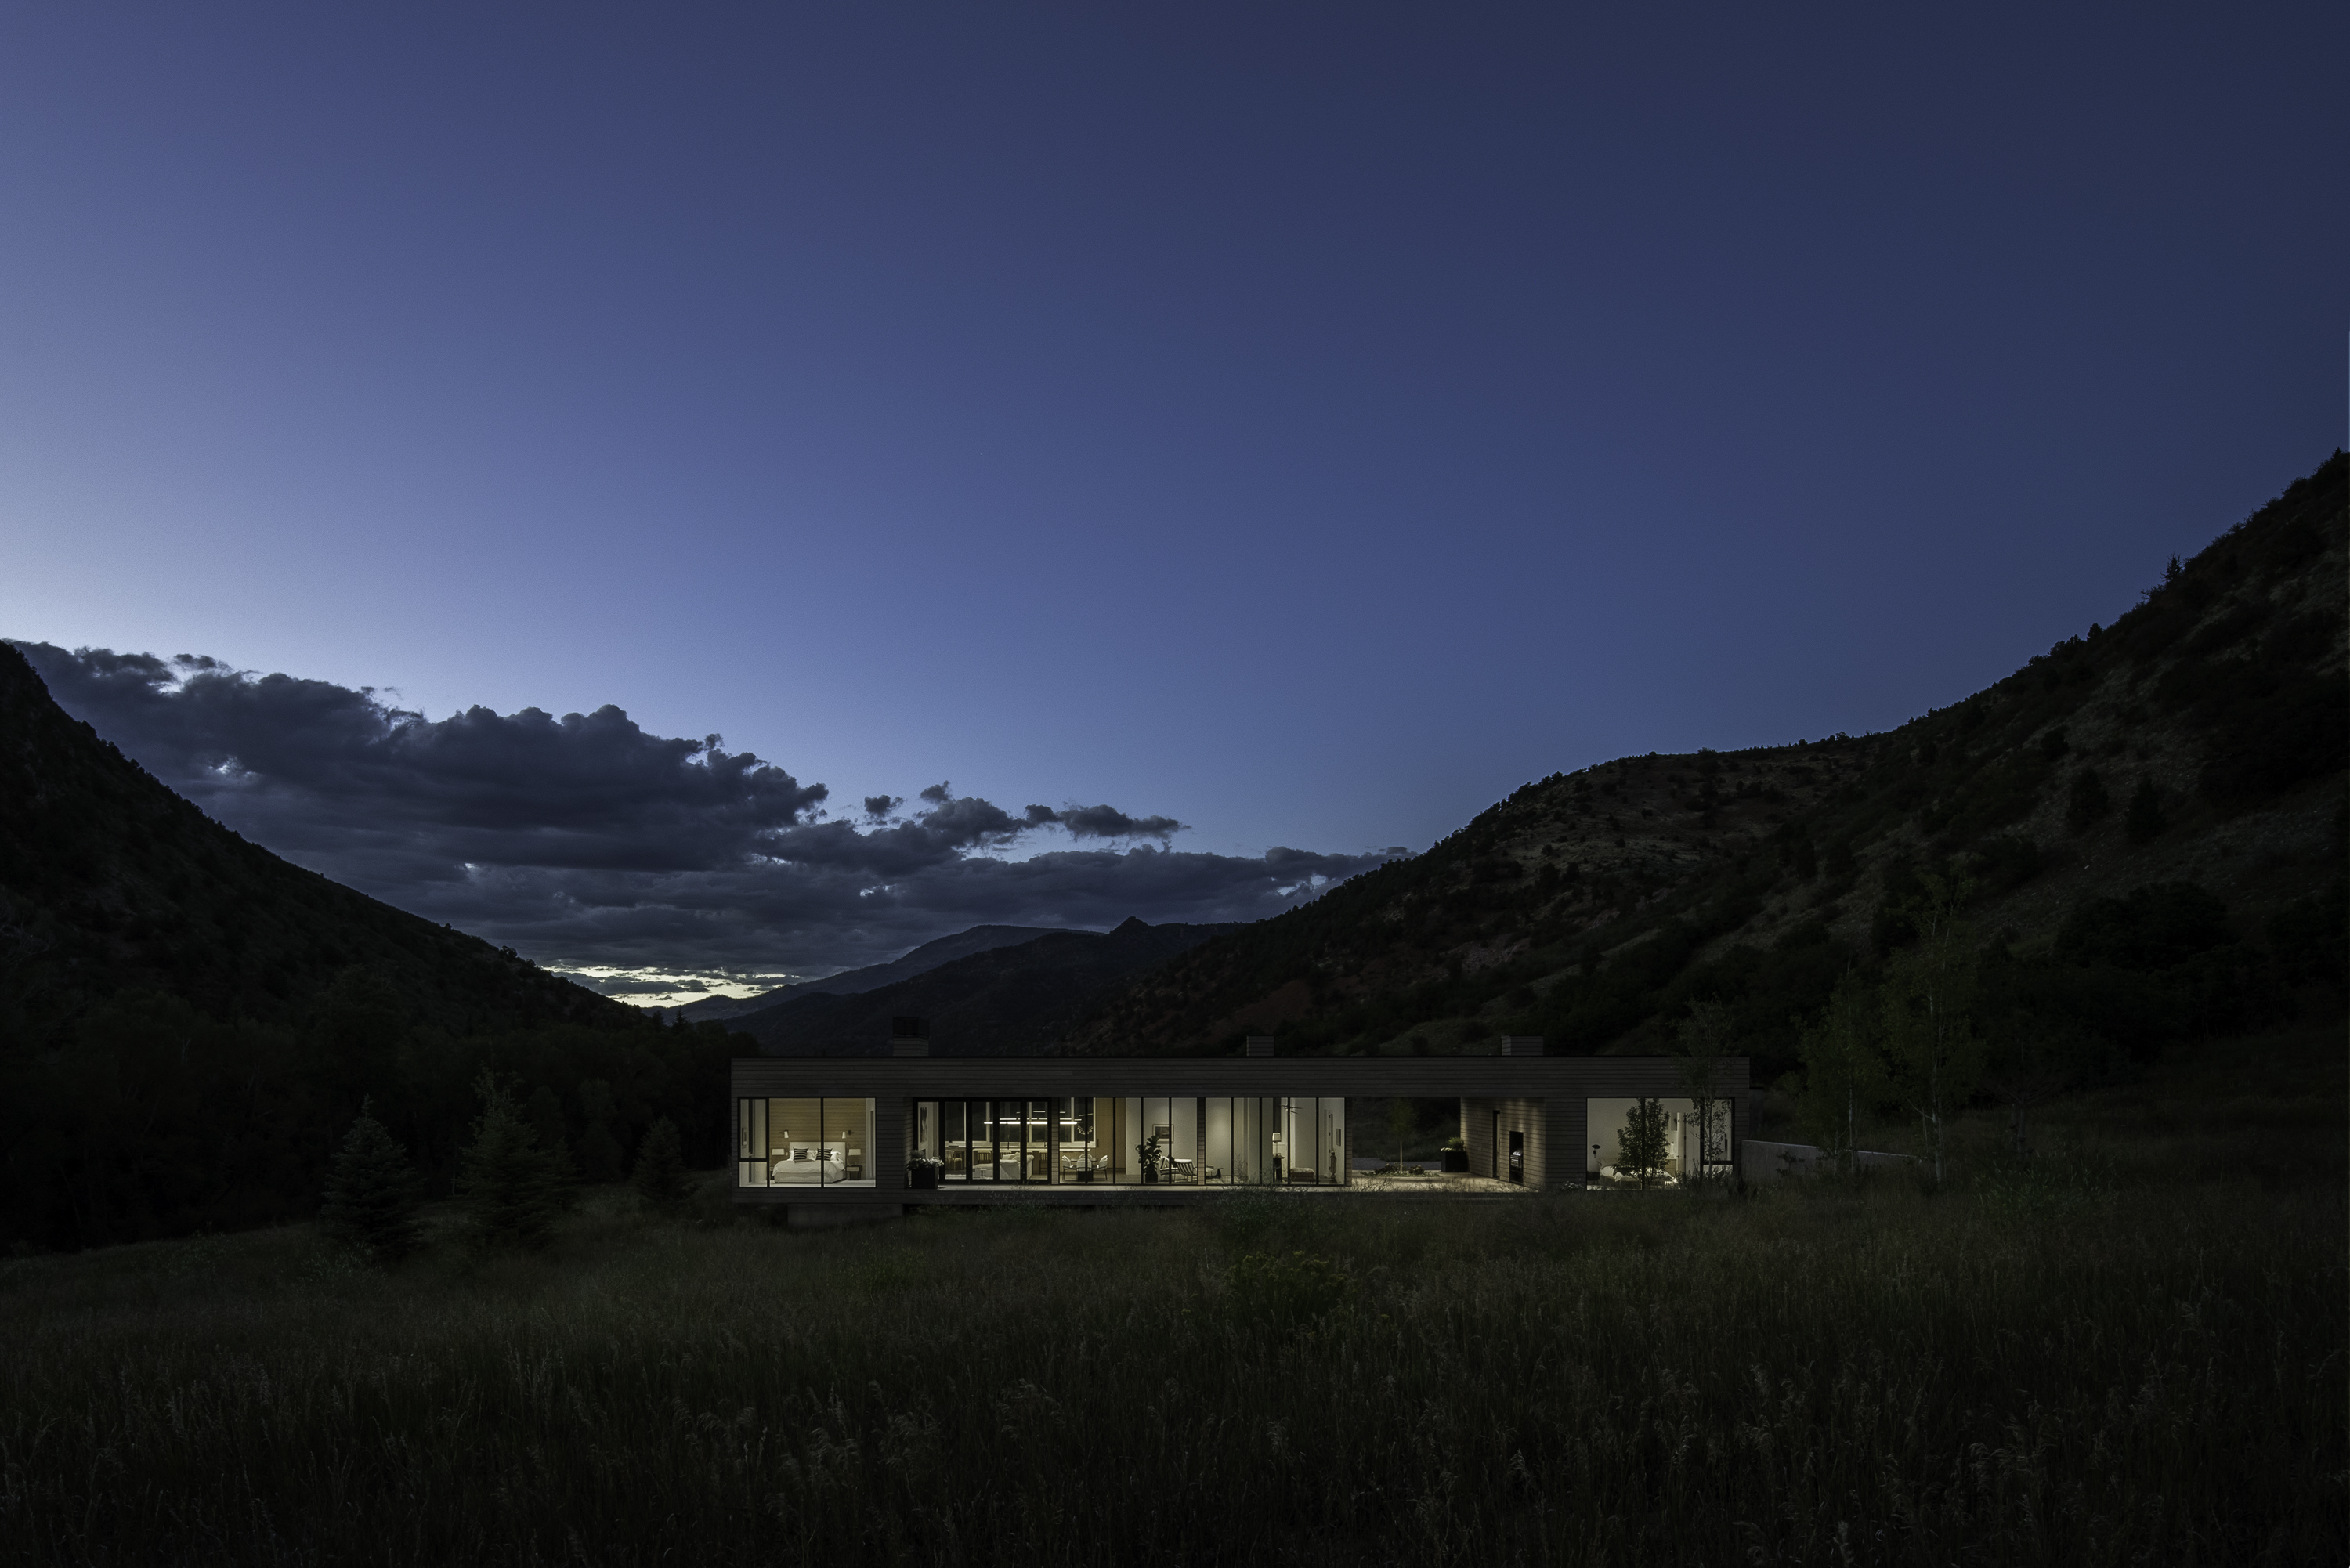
x=1309, y=423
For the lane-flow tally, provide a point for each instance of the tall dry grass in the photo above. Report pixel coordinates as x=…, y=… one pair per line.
x=2069, y=1372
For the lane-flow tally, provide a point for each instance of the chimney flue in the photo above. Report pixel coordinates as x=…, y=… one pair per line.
x=1521, y=1045
x=1260, y=1045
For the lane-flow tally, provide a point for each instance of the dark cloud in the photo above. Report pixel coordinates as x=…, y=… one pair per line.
x=583, y=840
x=1108, y=822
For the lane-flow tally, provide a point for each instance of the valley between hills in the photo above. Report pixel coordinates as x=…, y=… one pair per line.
x=2147, y=823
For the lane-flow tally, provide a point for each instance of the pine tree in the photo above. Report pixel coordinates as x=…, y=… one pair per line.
x=659, y=1177
x=510, y=1185
x=371, y=1197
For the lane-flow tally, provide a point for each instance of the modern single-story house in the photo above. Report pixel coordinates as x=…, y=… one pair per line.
x=848, y=1138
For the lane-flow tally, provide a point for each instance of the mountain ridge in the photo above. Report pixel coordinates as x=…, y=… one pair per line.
x=999, y=1000
x=871, y=977
x=1590, y=907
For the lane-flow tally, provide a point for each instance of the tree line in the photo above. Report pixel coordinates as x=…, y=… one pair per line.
x=145, y=1116
x=511, y=1186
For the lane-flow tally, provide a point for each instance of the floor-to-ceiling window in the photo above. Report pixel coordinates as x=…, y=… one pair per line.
x=1129, y=1140
x=925, y=1138
x=804, y=1142
x=1689, y=1146
x=1216, y=1140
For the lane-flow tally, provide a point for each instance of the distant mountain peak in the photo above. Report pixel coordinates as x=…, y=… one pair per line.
x=1129, y=925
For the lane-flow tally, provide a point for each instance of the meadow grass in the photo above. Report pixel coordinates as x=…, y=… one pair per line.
x=2090, y=1362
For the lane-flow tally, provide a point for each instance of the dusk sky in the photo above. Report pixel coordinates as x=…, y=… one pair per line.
x=1271, y=428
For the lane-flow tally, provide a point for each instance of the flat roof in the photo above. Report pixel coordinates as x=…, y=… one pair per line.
x=1210, y=1076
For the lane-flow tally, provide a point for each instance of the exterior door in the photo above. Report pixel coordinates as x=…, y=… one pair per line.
x=1518, y=1157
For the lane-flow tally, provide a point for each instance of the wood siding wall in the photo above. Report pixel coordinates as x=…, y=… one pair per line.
x=1486, y=1125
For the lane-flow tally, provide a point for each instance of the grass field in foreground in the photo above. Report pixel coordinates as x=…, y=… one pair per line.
x=2133, y=1353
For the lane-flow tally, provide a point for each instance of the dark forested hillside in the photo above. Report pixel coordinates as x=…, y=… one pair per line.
x=1002, y=1001
x=188, y=1023
x=2180, y=772
x=110, y=882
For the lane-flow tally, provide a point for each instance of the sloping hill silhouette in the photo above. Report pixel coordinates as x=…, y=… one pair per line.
x=111, y=882
x=2199, y=739
x=872, y=977
x=1003, y=1001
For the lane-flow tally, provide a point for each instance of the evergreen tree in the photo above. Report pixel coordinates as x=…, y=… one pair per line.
x=659, y=1177
x=2145, y=818
x=371, y=1199
x=510, y=1185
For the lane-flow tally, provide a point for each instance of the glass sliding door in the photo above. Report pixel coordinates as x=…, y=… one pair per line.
x=1337, y=1169
x=954, y=1131
x=983, y=1140
x=1255, y=1134
x=1036, y=1153
x=1079, y=1150
x=1216, y=1136
x=1183, y=1142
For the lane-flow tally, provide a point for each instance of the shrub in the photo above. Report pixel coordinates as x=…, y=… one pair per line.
x=2156, y=926
x=2087, y=802
x=1287, y=1293
x=2300, y=732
